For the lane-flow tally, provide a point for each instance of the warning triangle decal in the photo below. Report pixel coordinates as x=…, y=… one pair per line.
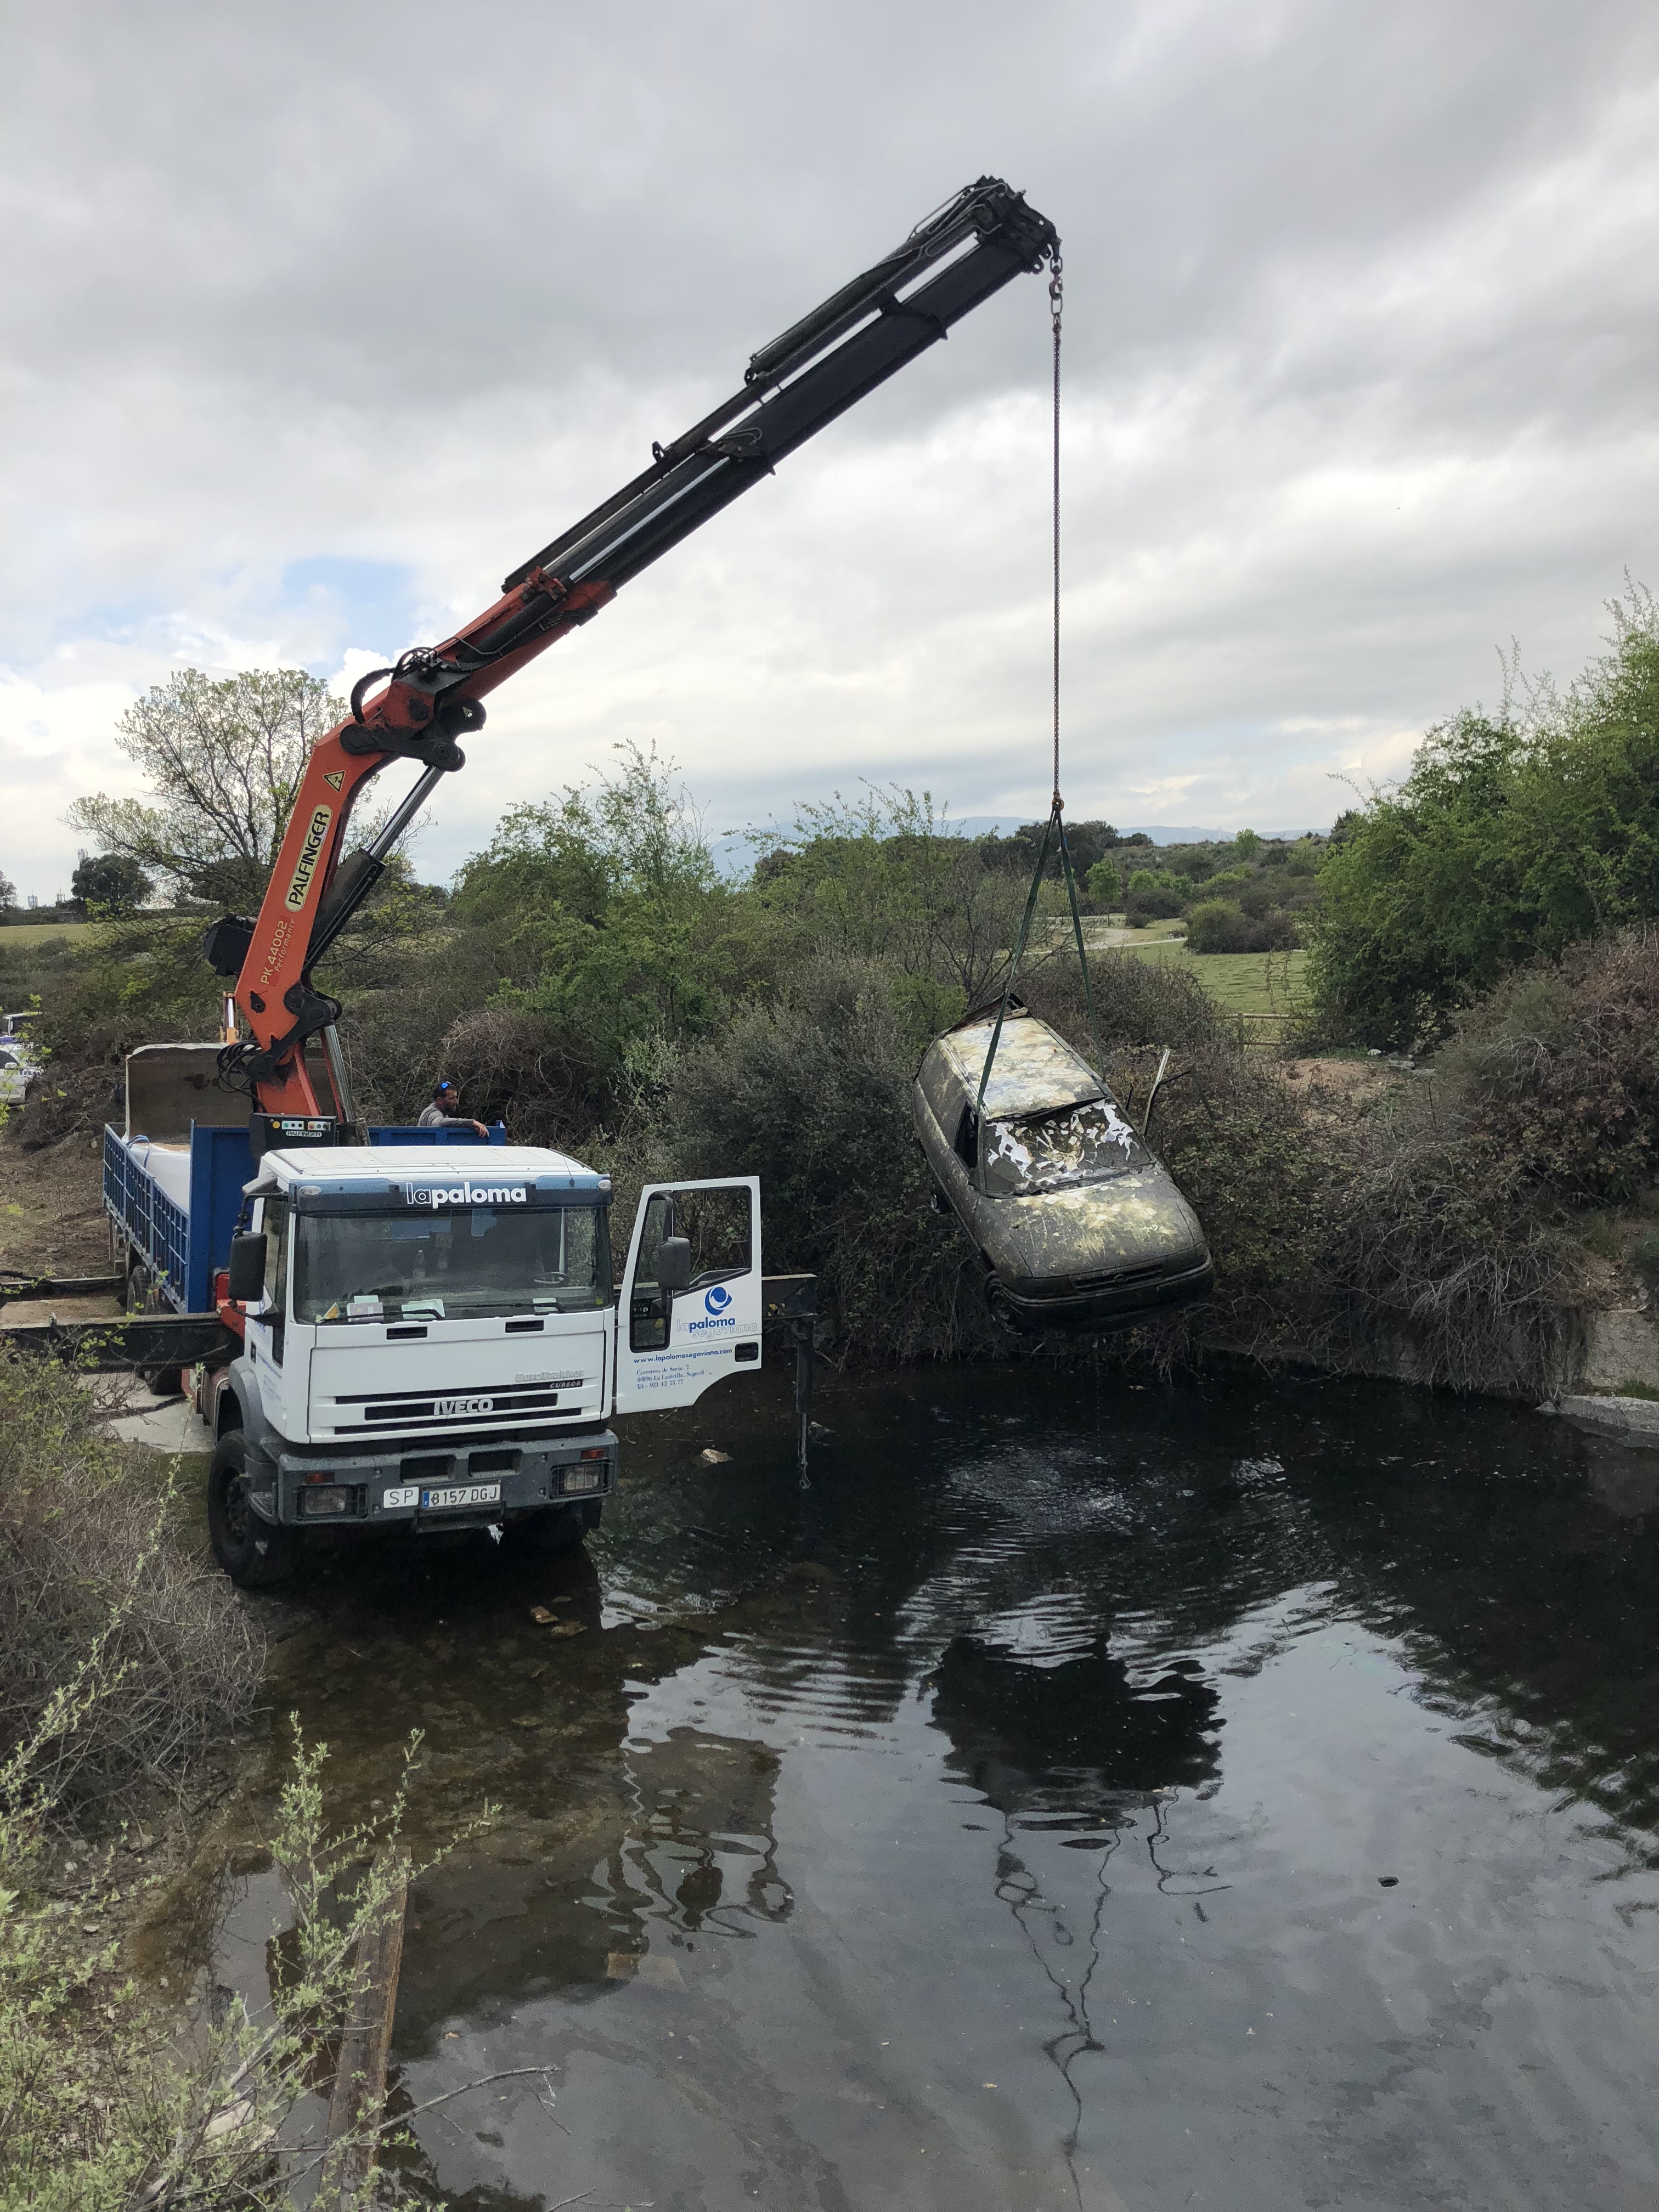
x=334, y=777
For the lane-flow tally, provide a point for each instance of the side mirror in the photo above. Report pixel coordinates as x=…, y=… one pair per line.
x=674, y=1264
x=247, y=1268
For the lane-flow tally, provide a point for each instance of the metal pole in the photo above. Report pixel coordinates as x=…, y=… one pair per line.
x=339, y=1080
x=404, y=814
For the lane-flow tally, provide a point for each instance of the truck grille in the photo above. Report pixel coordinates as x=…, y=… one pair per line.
x=452, y=1409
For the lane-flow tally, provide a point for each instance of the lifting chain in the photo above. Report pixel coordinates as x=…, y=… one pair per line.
x=1054, y=830
x=1056, y=308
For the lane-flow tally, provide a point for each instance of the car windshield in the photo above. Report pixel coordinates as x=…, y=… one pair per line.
x=437, y=1267
x=1048, y=1152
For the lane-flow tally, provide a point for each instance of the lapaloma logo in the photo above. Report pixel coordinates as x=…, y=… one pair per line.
x=714, y=1303
x=465, y=1194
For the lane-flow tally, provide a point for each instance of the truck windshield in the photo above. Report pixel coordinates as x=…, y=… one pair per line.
x=1049, y=1151
x=438, y=1267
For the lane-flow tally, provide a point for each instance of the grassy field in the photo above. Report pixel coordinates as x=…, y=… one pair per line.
x=33, y=955
x=15, y=935
x=1243, y=983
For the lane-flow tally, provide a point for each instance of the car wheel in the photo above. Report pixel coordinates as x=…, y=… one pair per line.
x=252, y=1553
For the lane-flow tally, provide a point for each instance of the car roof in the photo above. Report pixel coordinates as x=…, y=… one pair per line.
x=1034, y=1070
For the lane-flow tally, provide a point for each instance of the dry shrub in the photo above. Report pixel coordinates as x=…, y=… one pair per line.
x=515, y=1065
x=1559, y=1070
x=1137, y=1002
x=1441, y=1241
x=811, y=1091
x=1456, y=1222
x=79, y=1536
x=83, y=1086
x=1423, y=1237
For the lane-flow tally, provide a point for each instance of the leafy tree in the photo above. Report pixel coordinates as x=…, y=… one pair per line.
x=884, y=878
x=108, y=883
x=1513, y=835
x=222, y=758
x=8, y=891
x=1104, y=885
x=597, y=906
x=1087, y=842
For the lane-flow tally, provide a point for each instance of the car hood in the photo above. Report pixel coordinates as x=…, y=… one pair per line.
x=1095, y=1229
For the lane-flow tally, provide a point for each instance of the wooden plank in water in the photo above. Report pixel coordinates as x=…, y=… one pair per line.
x=359, y=2099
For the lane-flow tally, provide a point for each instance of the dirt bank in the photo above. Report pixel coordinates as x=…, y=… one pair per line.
x=51, y=1209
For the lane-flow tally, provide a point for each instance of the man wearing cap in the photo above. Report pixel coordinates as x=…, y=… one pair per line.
x=437, y=1116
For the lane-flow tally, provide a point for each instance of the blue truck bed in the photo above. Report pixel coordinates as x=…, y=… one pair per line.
x=183, y=1234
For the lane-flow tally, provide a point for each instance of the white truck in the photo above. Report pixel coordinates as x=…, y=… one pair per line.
x=431, y=1338
x=423, y=1329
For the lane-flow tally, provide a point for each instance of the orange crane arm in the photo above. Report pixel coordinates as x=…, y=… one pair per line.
x=957, y=258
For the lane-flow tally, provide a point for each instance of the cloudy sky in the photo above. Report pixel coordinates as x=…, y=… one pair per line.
x=318, y=318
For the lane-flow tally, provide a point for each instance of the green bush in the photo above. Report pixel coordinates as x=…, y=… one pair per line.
x=1513, y=836
x=1157, y=902
x=1215, y=926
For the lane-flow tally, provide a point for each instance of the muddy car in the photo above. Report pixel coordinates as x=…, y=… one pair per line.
x=1078, y=1224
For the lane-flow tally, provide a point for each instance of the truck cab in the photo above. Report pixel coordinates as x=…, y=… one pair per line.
x=435, y=1337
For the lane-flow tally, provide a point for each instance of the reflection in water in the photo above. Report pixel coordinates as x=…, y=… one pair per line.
x=698, y=1855
x=1073, y=1748
x=875, y=1847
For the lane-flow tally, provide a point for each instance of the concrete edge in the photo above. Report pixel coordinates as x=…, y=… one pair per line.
x=1638, y=1417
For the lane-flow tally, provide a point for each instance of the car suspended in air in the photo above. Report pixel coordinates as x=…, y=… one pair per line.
x=1078, y=1224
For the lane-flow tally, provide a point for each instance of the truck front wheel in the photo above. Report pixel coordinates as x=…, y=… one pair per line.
x=252, y=1553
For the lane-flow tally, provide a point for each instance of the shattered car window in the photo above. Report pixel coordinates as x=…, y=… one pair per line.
x=1078, y=1144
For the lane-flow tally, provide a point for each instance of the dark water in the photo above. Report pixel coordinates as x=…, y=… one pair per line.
x=1086, y=1797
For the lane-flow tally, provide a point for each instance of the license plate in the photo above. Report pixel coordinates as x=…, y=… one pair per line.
x=474, y=1493
x=392, y=1499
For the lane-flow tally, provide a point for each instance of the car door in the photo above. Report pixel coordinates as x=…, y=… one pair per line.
x=673, y=1344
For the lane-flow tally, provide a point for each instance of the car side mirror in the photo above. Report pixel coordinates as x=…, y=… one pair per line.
x=247, y=1266
x=674, y=1264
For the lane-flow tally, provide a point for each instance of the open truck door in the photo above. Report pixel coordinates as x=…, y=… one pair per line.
x=691, y=1313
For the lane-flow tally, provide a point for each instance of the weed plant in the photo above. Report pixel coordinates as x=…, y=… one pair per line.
x=123, y=1660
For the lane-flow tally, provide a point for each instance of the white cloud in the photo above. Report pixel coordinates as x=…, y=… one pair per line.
x=1359, y=336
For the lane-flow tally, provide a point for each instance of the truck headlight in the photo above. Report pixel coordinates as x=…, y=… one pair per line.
x=317, y=1505
x=580, y=1480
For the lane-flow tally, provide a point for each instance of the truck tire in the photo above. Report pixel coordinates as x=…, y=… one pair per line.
x=557, y=1528
x=252, y=1553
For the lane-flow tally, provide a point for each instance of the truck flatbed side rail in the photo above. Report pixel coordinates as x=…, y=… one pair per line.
x=141, y=1342
x=25, y=1290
